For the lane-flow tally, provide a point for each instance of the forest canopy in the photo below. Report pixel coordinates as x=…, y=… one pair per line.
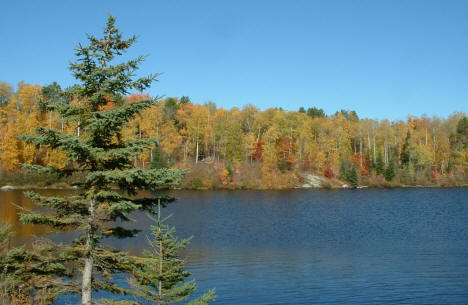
x=251, y=148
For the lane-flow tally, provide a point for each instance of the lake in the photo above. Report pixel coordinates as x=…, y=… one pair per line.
x=368, y=246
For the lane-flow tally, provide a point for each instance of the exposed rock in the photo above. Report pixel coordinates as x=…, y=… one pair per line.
x=7, y=187
x=312, y=181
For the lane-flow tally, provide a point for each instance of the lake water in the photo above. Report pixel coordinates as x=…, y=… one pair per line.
x=369, y=246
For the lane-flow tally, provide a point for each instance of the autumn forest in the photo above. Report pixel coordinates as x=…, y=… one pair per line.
x=248, y=148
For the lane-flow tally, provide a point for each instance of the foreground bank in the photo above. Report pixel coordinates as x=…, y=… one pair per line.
x=210, y=180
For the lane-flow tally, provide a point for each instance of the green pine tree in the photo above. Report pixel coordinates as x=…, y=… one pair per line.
x=405, y=156
x=389, y=173
x=379, y=164
x=349, y=173
x=98, y=151
x=344, y=170
x=158, y=160
x=462, y=133
x=161, y=276
x=353, y=176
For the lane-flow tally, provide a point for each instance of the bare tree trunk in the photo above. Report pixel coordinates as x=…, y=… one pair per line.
x=214, y=146
x=360, y=152
x=86, y=288
x=373, y=150
x=426, y=136
x=385, y=152
x=196, y=155
x=368, y=143
x=160, y=252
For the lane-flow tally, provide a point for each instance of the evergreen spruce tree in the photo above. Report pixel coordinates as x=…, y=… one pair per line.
x=405, y=156
x=348, y=172
x=161, y=276
x=353, y=176
x=104, y=158
x=462, y=133
x=380, y=165
x=389, y=173
x=158, y=160
x=344, y=171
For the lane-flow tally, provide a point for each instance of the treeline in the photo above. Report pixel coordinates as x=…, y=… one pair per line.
x=250, y=148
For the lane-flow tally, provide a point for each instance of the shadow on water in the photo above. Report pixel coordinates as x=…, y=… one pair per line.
x=373, y=246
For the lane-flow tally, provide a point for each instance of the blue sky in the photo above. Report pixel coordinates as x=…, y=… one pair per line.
x=384, y=59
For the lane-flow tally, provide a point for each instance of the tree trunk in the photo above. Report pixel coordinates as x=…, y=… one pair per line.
x=368, y=144
x=160, y=252
x=426, y=136
x=373, y=150
x=196, y=155
x=385, y=152
x=360, y=152
x=86, y=287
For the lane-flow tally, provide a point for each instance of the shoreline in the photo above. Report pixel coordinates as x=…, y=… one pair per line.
x=8, y=187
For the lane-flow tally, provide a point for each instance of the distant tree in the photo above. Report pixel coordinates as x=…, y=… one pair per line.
x=350, y=115
x=53, y=93
x=161, y=278
x=353, y=177
x=315, y=112
x=171, y=105
x=379, y=164
x=282, y=165
x=349, y=173
x=405, y=155
x=6, y=92
x=211, y=107
x=159, y=160
x=301, y=110
x=184, y=100
x=328, y=172
x=11, y=154
x=462, y=132
x=257, y=151
x=389, y=173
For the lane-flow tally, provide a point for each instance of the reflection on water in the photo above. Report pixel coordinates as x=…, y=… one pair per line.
x=404, y=246
x=10, y=201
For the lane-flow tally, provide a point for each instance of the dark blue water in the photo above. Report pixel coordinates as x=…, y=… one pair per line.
x=403, y=246
x=370, y=246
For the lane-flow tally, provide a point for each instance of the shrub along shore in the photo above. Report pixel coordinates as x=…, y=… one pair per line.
x=208, y=177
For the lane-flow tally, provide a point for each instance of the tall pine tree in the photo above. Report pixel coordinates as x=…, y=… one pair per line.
x=99, y=152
